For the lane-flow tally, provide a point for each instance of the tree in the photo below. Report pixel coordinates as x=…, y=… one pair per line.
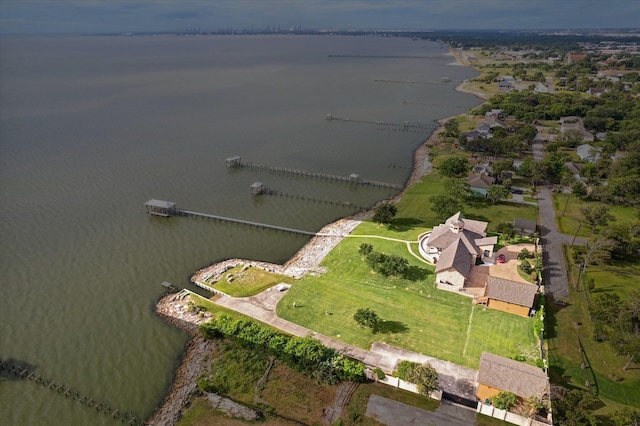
x=626, y=417
x=501, y=168
x=385, y=213
x=506, y=229
x=444, y=206
x=497, y=192
x=365, y=249
x=596, y=215
x=366, y=317
x=452, y=128
x=579, y=189
x=424, y=376
x=458, y=188
x=454, y=167
x=504, y=400
x=573, y=407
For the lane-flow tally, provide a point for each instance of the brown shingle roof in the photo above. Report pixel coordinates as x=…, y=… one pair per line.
x=455, y=256
x=522, y=294
x=513, y=376
x=480, y=181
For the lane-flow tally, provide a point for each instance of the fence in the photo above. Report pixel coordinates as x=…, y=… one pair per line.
x=491, y=411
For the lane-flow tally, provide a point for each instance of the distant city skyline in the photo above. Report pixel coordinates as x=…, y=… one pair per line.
x=113, y=16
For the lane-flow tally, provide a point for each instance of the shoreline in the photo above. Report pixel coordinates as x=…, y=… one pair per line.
x=306, y=260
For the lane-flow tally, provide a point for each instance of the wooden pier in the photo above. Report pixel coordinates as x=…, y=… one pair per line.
x=260, y=189
x=405, y=126
x=16, y=369
x=181, y=212
x=353, y=179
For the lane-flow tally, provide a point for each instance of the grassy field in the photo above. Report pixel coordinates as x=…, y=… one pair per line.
x=567, y=324
x=569, y=219
x=415, y=315
x=249, y=282
x=414, y=211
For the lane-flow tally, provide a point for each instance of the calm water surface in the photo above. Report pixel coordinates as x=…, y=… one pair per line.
x=92, y=127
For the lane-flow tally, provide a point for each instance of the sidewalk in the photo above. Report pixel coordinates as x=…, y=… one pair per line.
x=453, y=378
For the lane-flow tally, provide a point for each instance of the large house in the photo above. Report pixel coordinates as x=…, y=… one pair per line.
x=497, y=374
x=454, y=247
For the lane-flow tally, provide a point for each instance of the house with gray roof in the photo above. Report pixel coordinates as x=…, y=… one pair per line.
x=480, y=183
x=588, y=153
x=454, y=247
x=497, y=374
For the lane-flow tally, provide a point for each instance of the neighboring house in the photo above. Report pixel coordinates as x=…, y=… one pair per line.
x=494, y=114
x=479, y=183
x=484, y=168
x=575, y=124
x=525, y=226
x=483, y=129
x=511, y=296
x=505, y=85
x=574, y=168
x=454, y=247
x=541, y=88
x=588, y=153
x=497, y=374
x=596, y=91
x=574, y=57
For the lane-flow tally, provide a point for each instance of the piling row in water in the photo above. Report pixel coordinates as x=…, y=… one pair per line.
x=403, y=125
x=353, y=179
x=384, y=80
x=385, y=56
x=428, y=104
x=68, y=392
x=347, y=204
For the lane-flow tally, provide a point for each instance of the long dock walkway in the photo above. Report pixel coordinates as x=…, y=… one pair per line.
x=182, y=212
x=354, y=179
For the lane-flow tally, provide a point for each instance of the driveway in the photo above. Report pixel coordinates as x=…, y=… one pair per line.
x=509, y=269
x=394, y=413
x=555, y=270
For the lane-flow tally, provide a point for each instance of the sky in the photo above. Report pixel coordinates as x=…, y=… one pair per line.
x=109, y=16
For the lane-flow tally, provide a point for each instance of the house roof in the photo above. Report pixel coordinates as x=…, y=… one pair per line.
x=525, y=224
x=509, y=375
x=586, y=151
x=486, y=241
x=456, y=256
x=161, y=204
x=480, y=180
x=574, y=168
x=515, y=292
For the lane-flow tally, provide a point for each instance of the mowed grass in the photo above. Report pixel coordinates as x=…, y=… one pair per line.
x=569, y=219
x=249, y=282
x=414, y=208
x=415, y=315
x=568, y=324
x=501, y=333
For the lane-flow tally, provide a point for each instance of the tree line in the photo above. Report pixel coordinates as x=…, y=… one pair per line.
x=304, y=354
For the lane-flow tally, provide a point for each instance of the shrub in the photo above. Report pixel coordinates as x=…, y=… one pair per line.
x=524, y=254
x=379, y=373
x=504, y=400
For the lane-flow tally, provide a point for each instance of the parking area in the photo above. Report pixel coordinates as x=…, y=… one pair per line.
x=509, y=269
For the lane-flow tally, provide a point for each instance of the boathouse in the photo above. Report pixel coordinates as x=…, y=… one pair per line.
x=160, y=208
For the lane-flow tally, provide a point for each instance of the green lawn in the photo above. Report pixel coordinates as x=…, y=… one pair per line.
x=413, y=209
x=569, y=219
x=415, y=315
x=568, y=323
x=248, y=282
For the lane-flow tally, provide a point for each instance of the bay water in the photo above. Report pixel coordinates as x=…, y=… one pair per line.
x=91, y=127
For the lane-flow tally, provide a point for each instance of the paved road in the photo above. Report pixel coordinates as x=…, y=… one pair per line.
x=394, y=413
x=555, y=270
